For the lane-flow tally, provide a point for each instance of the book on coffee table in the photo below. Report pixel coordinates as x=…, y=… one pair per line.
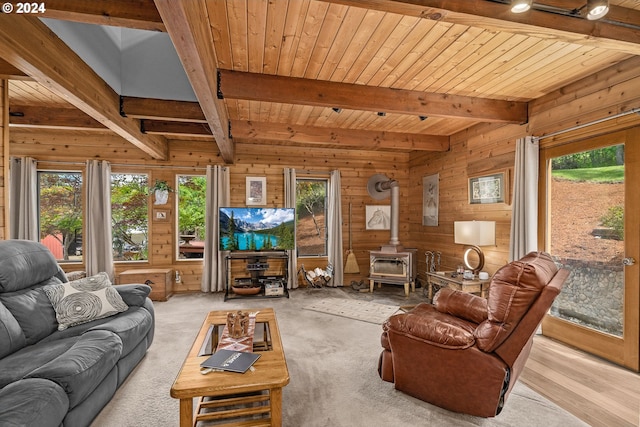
x=230, y=360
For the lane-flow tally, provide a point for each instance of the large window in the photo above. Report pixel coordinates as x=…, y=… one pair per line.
x=311, y=209
x=191, y=200
x=60, y=213
x=130, y=216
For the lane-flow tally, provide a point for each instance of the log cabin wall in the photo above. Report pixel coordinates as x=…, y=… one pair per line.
x=60, y=150
x=478, y=151
x=4, y=159
x=487, y=149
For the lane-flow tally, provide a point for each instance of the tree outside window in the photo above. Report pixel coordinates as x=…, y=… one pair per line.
x=60, y=213
x=311, y=229
x=130, y=216
x=191, y=215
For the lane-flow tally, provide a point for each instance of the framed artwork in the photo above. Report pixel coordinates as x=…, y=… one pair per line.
x=430, y=200
x=378, y=217
x=161, y=215
x=256, y=190
x=488, y=189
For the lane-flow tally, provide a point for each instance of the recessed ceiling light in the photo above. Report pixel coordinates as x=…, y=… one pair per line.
x=519, y=6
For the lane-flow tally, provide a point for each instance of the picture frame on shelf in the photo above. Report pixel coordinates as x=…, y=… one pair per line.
x=256, y=191
x=489, y=188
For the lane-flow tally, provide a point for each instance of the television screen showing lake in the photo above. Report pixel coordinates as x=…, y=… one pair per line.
x=256, y=229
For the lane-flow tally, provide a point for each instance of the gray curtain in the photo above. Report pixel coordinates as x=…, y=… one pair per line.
x=290, y=202
x=524, y=214
x=334, y=224
x=98, y=241
x=23, y=199
x=218, y=195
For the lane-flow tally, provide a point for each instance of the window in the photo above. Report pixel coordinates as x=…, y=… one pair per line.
x=130, y=216
x=191, y=201
x=311, y=210
x=60, y=213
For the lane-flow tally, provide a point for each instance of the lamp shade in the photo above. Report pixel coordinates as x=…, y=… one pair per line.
x=476, y=233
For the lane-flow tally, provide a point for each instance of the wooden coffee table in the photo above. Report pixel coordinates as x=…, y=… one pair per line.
x=253, y=398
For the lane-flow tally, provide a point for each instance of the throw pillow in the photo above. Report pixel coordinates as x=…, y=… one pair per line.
x=84, y=300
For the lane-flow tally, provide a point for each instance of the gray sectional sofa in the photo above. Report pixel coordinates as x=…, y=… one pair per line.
x=63, y=375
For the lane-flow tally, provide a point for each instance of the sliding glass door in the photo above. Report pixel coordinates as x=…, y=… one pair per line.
x=592, y=228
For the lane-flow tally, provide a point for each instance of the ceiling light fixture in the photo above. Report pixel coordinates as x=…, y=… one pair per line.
x=337, y=110
x=596, y=9
x=520, y=6
x=382, y=113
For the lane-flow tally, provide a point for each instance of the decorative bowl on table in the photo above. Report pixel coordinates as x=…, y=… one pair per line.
x=245, y=289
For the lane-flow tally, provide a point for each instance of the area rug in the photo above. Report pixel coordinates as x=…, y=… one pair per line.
x=365, y=311
x=332, y=362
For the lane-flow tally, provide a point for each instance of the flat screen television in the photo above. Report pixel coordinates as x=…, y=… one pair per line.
x=257, y=229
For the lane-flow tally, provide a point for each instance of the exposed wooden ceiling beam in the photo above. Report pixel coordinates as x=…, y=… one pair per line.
x=138, y=14
x=161, y=109
x=27, y=44
x=293, y=90
x=191, y=36
x=8, y=71
x=497, y=17
x=162, y=127
x=47, y=117
x=353, y=138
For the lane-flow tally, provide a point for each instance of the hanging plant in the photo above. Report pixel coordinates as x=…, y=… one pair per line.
x=161, y=185
x=161, y=190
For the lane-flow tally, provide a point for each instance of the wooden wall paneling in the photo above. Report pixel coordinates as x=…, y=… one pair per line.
x=4, y=159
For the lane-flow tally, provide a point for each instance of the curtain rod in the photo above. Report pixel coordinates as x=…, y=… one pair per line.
x=60, y=162
x=604, y=119
x=310, y=172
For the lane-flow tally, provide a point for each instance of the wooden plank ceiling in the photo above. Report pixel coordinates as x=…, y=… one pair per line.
x=386, y=74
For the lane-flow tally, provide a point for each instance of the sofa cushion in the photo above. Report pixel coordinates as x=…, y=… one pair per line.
x=24, y=263
x=33, y=311
x=33, y=402
x=84, y=300
x=11, y=335
x=131, y=326
x=134, y=294
x=19, y=364
x=80, y=369
x=513, y=289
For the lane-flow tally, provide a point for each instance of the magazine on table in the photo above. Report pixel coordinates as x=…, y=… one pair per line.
x=229, y=360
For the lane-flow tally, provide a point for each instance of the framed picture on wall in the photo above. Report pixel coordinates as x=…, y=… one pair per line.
x=488, y=189
x=256, y=188
x=378, y=217
x=430, y=200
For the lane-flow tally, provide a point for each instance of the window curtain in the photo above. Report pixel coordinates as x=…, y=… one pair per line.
x=524, y=214
x=98, y=242
x=334, y=224
x=290, y=202
x=218, y=195
x=23, y=199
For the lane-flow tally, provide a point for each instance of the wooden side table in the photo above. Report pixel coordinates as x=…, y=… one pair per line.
x=160, y=280
x=446, y=279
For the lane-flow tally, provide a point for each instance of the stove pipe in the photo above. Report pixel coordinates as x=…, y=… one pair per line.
x=379, y=187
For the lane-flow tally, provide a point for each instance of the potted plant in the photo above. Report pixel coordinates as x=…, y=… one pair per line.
x=161, y=190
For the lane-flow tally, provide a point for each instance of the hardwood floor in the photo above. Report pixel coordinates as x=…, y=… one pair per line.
x=596, y=391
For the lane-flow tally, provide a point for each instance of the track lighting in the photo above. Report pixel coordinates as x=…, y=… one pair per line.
x=519, y=6
x=336, y=109
x=596, y=9
x=382, y=113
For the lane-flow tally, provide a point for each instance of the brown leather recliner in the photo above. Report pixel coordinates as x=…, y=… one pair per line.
x=464, y=353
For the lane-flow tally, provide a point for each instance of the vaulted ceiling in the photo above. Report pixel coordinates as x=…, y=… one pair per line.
x=378, y=75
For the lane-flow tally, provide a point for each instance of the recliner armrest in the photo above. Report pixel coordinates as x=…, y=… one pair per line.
x=461, y=304
x=425, y=323
x=134, y=294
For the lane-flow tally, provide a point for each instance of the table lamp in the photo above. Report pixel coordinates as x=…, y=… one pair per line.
x=474, y=234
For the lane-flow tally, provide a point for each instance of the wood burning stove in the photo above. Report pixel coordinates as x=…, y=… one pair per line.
x=392, y=263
